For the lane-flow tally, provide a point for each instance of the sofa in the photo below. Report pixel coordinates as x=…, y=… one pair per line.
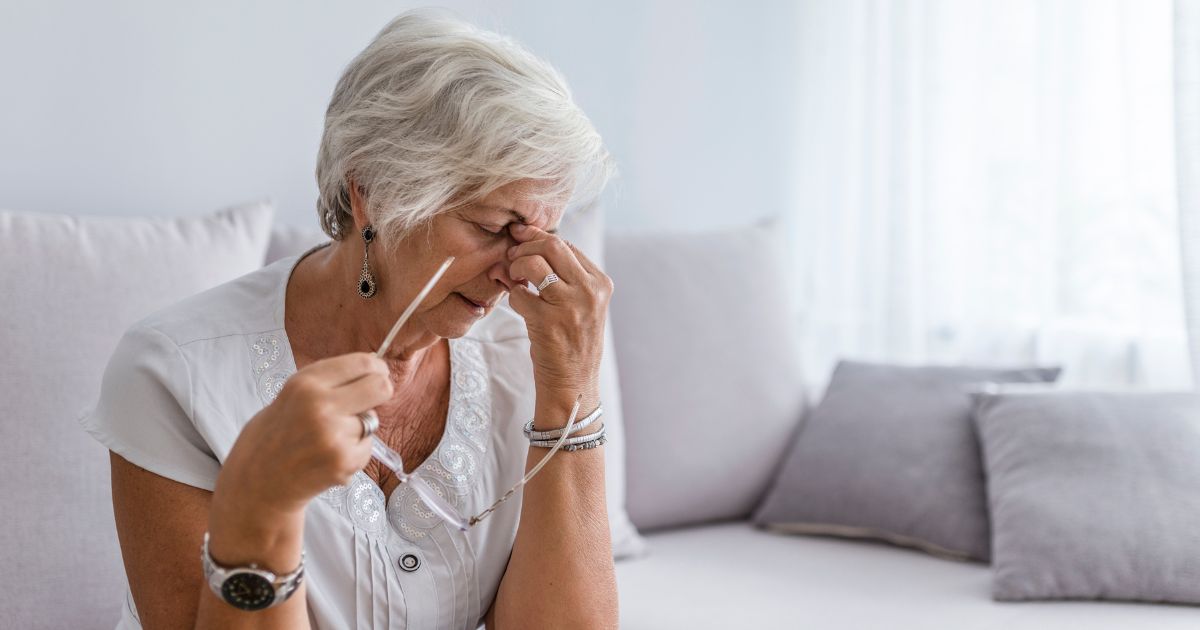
x=705, y=395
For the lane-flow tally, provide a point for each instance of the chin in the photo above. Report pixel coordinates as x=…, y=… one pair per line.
x=456, y=329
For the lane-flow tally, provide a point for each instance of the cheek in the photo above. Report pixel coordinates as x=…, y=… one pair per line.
x=482, y=254
x=472, y=270
x=475, y=253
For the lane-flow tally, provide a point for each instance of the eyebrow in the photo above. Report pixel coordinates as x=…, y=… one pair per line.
x=519, y=217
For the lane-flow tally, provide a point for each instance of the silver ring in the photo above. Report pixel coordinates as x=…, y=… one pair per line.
x=547, y=281
x=370, y=423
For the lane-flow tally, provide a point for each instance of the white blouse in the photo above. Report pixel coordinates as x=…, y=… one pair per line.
x=183, y=382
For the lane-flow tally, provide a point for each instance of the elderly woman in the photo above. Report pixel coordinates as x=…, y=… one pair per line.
x=240, y=419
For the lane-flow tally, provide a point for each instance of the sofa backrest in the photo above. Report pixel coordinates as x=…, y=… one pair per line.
x=72, y=285
x=709, y=369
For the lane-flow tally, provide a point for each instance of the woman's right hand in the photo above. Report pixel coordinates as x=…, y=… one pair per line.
x=309, y=438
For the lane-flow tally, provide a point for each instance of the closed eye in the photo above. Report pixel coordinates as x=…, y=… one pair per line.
x=493, y=230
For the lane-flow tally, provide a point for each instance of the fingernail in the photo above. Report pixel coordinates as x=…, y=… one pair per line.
x=511, y=251
x=521, y=227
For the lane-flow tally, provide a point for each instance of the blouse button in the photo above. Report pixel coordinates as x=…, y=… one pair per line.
x=409, y=562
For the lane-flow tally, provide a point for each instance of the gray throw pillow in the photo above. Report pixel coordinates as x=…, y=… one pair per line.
x=1093, y=495
x=890, y=454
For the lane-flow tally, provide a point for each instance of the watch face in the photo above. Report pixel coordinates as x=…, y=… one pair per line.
x=248, y=591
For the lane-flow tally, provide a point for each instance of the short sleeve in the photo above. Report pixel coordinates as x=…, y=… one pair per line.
x=144, y=412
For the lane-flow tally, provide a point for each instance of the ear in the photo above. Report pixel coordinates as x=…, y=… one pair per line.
x=358, y=204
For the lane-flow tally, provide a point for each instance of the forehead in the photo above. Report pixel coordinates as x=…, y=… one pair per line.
x=516, y=202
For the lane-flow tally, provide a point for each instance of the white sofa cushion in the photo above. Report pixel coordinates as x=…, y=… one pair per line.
x=735, y=576
x=72, y=286
x=709, y=372
x=290, y=240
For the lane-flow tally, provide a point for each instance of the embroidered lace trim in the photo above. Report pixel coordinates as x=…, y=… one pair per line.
x=453, y=467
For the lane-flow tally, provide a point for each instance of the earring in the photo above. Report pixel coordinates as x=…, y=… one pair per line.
x=366, y=281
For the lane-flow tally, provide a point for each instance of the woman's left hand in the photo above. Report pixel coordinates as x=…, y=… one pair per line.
x=565, y=323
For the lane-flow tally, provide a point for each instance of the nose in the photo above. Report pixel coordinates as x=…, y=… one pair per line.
x=498, y=272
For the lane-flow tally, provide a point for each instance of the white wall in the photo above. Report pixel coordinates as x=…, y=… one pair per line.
x=178, y=108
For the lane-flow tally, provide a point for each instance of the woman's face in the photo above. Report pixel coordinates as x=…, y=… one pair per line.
x=478, y=237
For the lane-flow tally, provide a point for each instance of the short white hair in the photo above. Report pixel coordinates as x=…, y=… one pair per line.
x=436, y=112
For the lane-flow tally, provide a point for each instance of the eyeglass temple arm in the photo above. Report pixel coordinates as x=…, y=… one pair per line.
x=389, y=457
x=533, y=471
x=380, y=450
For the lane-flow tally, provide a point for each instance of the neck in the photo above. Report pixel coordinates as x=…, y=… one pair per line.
x=322, y=303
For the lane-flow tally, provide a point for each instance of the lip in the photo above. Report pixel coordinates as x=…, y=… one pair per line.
x=484, y=306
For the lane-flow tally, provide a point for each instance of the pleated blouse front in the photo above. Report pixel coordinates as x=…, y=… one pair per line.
x=184, y=381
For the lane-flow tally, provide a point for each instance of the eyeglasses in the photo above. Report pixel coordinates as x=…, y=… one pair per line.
x=390, y=458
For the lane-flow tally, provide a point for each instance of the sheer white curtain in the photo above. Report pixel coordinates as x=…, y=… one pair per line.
x=990, y=181
x=1187, y=116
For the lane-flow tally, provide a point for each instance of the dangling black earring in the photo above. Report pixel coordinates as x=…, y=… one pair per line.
x=366, y=281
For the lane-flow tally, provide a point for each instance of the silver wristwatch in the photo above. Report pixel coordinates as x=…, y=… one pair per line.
x=249, y=588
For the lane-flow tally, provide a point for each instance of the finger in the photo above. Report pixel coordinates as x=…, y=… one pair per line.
x=525, y=302
x=591, y=267
x=530, y=268
x=361, y=453
x=350, y=429
x=345, y=368
x=358, y=450
x=600, y=280
x=557, y=252
x=368, y=392
x=554, y=293
x=525, y=232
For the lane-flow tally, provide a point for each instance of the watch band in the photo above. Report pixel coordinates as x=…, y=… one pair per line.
x=249, y=588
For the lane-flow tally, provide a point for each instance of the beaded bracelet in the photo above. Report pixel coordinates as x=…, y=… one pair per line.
x=576, y=442
x=586, y=445
x=554, y=434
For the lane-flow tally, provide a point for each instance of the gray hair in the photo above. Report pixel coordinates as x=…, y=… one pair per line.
x=436, y=113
